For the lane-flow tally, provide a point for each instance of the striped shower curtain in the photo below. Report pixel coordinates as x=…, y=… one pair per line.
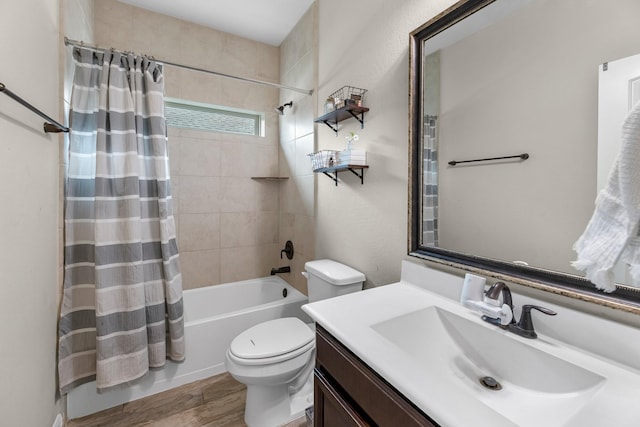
x=121, y=312
x=430, y=182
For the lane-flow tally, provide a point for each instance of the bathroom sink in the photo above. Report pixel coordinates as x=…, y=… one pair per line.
x=434, y=351
x=513, y=377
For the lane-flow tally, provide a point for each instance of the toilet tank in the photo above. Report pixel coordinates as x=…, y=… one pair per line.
x=327, y=279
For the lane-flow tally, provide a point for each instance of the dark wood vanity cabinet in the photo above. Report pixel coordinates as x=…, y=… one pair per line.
x=349, y=393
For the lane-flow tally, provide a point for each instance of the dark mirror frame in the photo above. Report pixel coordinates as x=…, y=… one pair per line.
x=624, y=298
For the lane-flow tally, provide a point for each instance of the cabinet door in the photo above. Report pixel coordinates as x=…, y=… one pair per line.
x=330, y=409
x=376, y=400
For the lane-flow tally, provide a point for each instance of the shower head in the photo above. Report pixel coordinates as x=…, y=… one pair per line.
x=280, y=109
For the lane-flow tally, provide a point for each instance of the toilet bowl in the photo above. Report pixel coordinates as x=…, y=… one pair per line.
x=269, y=358
x=275, y=359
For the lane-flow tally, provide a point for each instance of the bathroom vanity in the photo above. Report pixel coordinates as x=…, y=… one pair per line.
x=410, y=354
x=349, y=393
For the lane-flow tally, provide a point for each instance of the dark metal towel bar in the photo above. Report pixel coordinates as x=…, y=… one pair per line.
x=51, y=126
x=523, y=156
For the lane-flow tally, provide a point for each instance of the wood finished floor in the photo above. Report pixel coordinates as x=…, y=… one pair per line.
x=213, y=402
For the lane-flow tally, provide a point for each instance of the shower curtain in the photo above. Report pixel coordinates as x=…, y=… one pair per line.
x=430, y=183
x=121, y=312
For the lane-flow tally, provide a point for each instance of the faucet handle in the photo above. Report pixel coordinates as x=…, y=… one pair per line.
x=525, y=325
x=288, y=250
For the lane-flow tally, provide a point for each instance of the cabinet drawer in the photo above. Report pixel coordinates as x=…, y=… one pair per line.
x=330, y=408
x=381, y=403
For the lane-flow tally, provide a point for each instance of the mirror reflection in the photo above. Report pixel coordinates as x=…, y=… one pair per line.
x=518, y=77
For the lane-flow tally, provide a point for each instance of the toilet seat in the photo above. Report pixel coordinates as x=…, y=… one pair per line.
x=272, y=342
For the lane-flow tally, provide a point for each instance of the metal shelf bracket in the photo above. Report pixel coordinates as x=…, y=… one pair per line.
x=335, y=129
x=332, y=173
x=360, y=119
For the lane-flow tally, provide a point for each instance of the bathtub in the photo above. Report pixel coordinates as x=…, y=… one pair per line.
x=214, y=315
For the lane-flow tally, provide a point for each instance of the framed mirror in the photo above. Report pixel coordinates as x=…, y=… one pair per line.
x=504, y=136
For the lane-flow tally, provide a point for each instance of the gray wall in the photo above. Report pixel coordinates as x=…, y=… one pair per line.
x=29, y=165
x=365, y=43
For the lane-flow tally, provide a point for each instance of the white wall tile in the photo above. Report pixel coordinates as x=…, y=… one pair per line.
x=242, y=263
x=286, y=224
x=239, y=159
x=154, y=35
x=173, y=147
x=201, y=47
x=267, y=195
x=238, y=229
x=267, y=161
x=200, y=157
x=200, y=194
x=201, y=87
x=200, y=231
x=266, y=228
x=288, y=158
x=305, y=115
x=304, y=146
x=304, y=234
x=237, y=194
x=306, y=189
x=287, y=125
x=200, y=268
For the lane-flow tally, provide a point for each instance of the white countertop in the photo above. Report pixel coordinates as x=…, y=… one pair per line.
x=441, y=395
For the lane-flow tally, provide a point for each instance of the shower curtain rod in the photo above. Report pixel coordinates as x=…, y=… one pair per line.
x=70, y=42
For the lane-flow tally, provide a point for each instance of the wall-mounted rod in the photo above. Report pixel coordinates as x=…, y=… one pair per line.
x=69, y=42
x=523, y=156
x=51, y=126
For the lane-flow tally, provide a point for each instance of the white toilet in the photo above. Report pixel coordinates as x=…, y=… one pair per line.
x=275, y=359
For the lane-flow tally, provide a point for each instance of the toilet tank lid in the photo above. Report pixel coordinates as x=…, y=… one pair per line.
x=334, y=272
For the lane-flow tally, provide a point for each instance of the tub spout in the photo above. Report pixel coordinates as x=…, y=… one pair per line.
x=279, y=270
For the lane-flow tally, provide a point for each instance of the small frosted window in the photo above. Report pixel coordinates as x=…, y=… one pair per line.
x=213, y=118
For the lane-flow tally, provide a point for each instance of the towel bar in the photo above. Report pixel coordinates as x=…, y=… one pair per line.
x=51, y=126
x=523, y=156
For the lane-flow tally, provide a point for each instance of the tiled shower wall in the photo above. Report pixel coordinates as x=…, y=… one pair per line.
x=227, y=223
x=298, y=68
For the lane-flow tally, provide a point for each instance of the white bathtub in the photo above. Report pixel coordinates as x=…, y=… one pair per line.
x=214, y=315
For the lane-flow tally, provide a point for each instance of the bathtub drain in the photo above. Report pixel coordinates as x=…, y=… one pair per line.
x=284, y=292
